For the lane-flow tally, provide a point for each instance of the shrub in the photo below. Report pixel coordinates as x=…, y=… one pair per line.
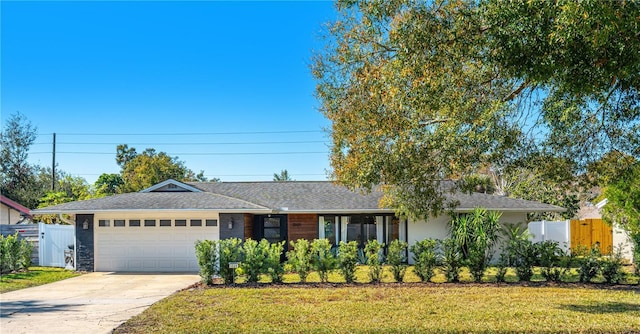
x=451, y=260
x=611, y=267
x=322, y=259
x=207, y=254
x=372, y=249
x=275, y=268
x=347, y=260
x=589, y=264
x=475, y=235
x=230, y=251
x=15, y=253
x=501, y=268
x=425, y=258
x=300, y=258
x=526, y=256
x=396, y=258
x=255, y=259
x=550, y=255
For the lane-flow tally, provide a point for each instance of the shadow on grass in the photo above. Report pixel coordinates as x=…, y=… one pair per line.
x=31, y=306
x=607, y=307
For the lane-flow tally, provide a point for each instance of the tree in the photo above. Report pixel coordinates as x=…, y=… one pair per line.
x=422, y=91
x=18, y=177
x=623, y=205
x=140, y=171
x=282, y=177
x=108, y=184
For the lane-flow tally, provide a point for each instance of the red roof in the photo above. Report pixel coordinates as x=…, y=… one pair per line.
x=18, y=207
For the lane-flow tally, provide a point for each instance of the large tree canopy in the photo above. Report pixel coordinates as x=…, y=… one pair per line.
x=420, y=91
x=140, y=171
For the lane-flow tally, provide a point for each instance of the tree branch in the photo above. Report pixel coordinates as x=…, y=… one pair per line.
x=516, y=92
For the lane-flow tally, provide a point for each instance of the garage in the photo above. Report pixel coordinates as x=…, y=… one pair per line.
x=164, y=244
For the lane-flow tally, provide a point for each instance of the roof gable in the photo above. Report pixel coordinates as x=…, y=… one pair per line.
x=171, y=185
x=14, y=205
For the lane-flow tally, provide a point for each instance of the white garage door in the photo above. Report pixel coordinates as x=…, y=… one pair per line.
x=149, y=248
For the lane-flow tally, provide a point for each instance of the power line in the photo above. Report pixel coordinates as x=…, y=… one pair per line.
x=209, y=153
x=192, y=133
x=191, y=144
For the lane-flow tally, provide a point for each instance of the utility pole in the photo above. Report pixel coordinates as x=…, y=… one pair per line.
x=53, y=165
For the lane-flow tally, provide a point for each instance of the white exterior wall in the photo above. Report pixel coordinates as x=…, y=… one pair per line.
x=438, y=228
x=151, y=248
x=621, y=240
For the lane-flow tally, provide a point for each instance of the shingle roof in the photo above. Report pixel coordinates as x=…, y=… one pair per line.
x=154, y=201
x=293, y=196
x=327, y=196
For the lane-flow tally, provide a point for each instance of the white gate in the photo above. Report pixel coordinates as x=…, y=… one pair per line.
x=55, y=240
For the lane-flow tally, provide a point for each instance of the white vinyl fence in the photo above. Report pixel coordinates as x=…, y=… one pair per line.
x=56, y=241
x=559, y=231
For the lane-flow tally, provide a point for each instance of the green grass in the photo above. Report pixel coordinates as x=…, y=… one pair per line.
x=35, y=276
x=393, y=308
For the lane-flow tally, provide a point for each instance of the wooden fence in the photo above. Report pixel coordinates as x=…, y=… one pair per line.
x=589, y=232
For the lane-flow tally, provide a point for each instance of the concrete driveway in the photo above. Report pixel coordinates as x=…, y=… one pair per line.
x=92, y=303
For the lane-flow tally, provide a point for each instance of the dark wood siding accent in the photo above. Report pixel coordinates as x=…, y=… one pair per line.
x=248, y=226
x=303, y=226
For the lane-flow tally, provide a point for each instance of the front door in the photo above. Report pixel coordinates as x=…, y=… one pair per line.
x=271, y=227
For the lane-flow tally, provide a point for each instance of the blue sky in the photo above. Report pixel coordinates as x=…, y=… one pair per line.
x=228, y=74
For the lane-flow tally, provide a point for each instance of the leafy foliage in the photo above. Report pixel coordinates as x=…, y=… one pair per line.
x=347, y=260
x=611, y=267
x=254, y=258
x=425, y=258
x=475, y=234
x=589, y=264
x=373, y=250
x=230, y=251
x=322, y=259
x=207, y=254
x=18, y=179
x=299, y=257
x=15, y=253
x=282, y=177
x=452, y=260
x=418, y=91
x=396, y=258
x=274, y=268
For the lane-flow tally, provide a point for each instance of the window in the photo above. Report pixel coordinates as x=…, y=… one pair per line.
x=181, y=222
x=328, y=228
x=134, y=222
x=103, y=222
x=272, y=229
x=211, y=222
x=362, y=229
x=149, y=222
x=196, y=222
x=165, y=222
x=393, y=229
x=118, y=222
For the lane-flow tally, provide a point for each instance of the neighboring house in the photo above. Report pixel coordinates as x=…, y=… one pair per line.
x=621, y=237
x=12, y=212
x=155, y=229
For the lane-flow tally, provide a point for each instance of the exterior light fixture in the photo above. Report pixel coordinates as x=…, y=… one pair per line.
x=231, y=223
x=85, y=225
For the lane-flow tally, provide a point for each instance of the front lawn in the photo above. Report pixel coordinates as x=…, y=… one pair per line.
x=396, y=308
x=35, y=276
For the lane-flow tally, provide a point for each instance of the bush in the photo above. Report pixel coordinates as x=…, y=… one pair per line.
x=526, y=256
x=275, y=268
x=611, y=267
x=255, y=258
x=230, y=251
x=396, y=258
x=372, y=249
x=300, y=258
x=322, y=259
x=451, y=260
x=347, y=260
x=475, y=234
x=425, y=258
x=501, y=268
x=207, y=254
x=550, y=255
x=589, y=264
x=15, y=253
